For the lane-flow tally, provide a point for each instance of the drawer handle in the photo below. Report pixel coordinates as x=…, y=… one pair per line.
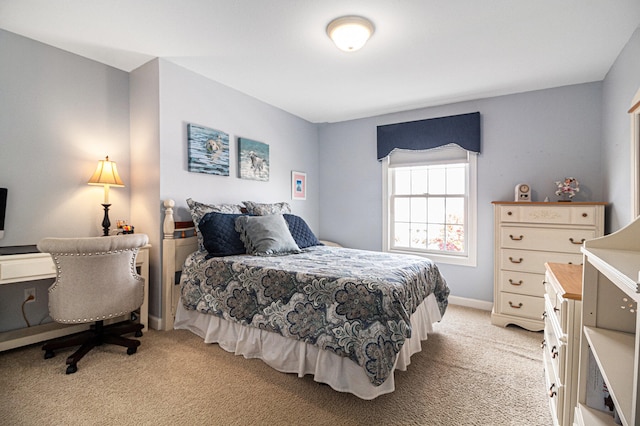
x=576, y=242
x=515, y=261
x=509, y=213
x=543, y=344
x=552, y=393
x=516, y=238
x=584, y=215
x=556, y=309
x=514, y=306
x=544, y=315
x=554, y=352
x=515, y=283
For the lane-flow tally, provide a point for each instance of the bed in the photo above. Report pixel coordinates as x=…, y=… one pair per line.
x=348, y=317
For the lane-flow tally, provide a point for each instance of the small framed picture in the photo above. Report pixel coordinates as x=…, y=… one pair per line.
x=298, y=186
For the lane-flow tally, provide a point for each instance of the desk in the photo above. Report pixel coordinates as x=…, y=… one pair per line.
x=37, y=266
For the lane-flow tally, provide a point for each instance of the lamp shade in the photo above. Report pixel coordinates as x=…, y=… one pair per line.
x=350, y=33
x=106, y=174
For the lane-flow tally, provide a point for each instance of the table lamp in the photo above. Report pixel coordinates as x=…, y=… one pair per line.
x=106, y=174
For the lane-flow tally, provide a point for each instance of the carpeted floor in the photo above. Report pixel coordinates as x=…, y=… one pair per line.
x=468, y=373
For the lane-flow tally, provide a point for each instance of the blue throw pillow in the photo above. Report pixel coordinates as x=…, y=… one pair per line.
x=300, y=231
x=219, y=234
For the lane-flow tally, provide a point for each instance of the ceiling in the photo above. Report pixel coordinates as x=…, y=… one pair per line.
x=423, y=52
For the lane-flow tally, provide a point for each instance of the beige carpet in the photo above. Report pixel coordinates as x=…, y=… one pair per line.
x=468, y=373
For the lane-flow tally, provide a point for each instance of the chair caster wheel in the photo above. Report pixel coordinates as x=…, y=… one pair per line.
x=72, y=368
x=49, y=354
x=138, y=333
x=131, y=351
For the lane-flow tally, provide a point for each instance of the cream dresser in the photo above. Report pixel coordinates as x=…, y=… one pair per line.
x=527, y=235
x=561, y=344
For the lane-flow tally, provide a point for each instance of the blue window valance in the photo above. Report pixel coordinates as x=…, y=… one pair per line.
x=462, y=130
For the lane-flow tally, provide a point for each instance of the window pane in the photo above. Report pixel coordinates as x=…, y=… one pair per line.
x=401, y=209
x=401, y=235
x=418, y=210
x=418, y=236
x=436, y=237
x=436, y=210
x=456, y=180
x=454, y=238
x=437, y=182
x=403, y=181
x=455, y=210
x=419, y=181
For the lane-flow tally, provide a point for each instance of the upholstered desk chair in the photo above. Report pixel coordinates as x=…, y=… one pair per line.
x=96, y=280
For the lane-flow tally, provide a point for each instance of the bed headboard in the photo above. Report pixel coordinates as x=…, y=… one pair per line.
x=179, y=241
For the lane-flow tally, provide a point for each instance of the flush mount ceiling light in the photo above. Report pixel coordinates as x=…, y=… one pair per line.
x=350, y=33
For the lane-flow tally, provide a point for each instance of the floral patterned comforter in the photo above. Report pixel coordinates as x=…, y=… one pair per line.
x=354, y=303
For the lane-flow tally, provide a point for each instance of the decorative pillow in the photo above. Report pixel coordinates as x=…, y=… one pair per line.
x=260, y=209
x=266, y=235
x=220, y=236
x=300, y=231
x=198, y=210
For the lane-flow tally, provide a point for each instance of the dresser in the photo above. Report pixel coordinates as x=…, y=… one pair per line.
x=527, y=235
x=561, y=344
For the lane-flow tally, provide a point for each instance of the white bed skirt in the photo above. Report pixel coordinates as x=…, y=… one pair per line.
x=293, y=356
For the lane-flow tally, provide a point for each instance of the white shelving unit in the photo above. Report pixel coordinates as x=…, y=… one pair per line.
x=610, y=325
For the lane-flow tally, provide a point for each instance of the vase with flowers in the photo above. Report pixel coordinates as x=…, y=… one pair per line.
x=567, y=188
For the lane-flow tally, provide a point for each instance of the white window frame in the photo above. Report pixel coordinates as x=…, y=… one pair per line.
x=425, y=158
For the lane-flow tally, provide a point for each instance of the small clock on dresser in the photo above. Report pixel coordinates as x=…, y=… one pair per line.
x=523, y=192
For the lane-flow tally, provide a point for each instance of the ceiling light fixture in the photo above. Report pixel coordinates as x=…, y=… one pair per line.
x=350, y=33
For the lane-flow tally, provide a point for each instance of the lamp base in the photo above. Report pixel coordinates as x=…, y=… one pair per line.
x=105, y=221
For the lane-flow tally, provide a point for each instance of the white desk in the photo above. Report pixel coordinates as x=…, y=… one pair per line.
x=37, y=266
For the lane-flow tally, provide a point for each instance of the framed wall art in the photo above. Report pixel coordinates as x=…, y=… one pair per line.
x=298, y=185
x=253, y=160
x=208, y=150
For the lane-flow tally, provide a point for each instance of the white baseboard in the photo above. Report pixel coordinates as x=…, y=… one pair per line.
x=471, y=303
x=155, y=323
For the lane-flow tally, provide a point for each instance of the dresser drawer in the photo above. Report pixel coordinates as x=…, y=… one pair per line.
x=551, y=348
x=556, y=349
x=533, y=261
x=546, y=239
x=522, y=282
x=553, y=308
x=521, y=305
x=561, y=215
x=556, y=304
x=554, y=391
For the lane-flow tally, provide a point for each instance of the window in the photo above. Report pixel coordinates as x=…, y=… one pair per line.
x=430, y=204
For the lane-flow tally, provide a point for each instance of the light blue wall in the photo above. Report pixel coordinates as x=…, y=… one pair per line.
x=620, y=85
x=59, y=115
x=536, y=137
x=161, y=111
x=187, y=97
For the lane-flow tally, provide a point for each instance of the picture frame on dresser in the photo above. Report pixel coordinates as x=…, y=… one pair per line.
x=526, y=236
